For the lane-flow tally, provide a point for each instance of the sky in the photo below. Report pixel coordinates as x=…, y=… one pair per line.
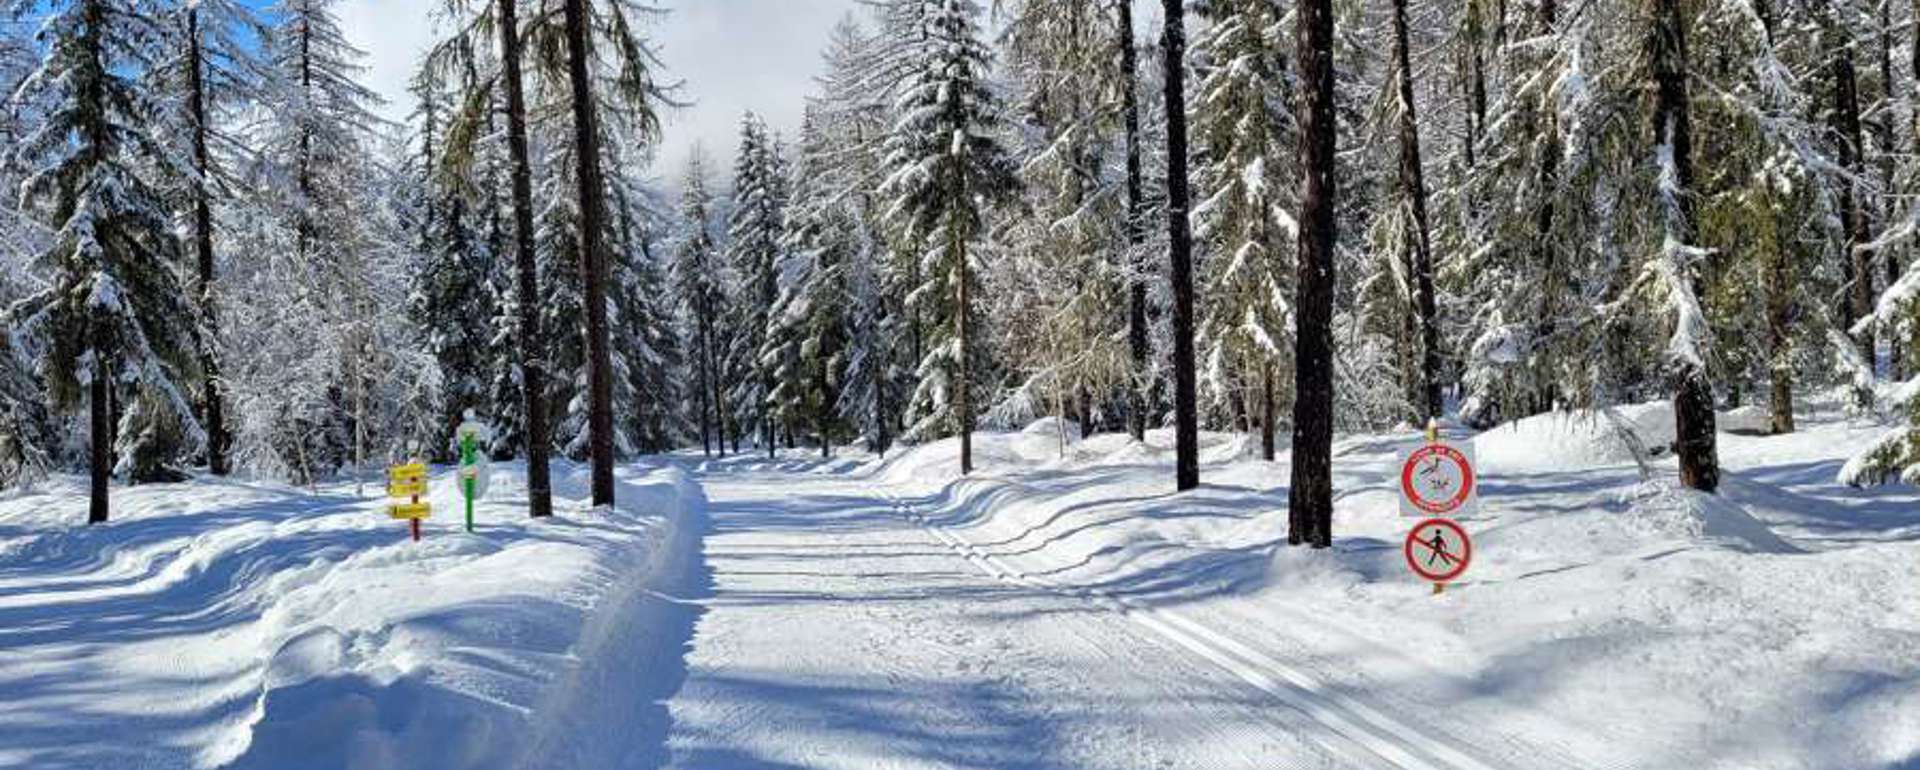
x=731, y=56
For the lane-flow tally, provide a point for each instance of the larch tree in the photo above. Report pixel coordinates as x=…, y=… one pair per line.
x=597, y=50
x=218, y=75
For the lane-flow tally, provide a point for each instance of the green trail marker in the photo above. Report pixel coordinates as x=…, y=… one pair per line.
x=474, y=471
x=466, y=481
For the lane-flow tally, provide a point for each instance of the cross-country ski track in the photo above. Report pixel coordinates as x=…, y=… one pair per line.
x=851, y=624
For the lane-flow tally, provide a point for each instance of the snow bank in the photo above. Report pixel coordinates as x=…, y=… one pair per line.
x=254, y=626
x=1581, y=438
x=1606, y=620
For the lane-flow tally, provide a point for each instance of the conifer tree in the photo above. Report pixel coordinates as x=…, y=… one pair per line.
x=946, y=165
x=114, y=316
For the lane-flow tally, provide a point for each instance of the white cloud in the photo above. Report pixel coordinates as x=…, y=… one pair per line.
x=395, y=34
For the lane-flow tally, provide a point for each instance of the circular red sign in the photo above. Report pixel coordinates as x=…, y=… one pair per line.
x=1444, y=550
x=1454, y=467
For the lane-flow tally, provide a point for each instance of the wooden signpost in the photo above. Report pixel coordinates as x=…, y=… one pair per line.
x=409, y=482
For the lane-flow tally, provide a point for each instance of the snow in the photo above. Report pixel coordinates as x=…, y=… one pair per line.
x=227, y=623
x=1608, y=621
x=1061, y=607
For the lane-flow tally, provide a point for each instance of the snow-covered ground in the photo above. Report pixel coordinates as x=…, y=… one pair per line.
x=1062, y=608
x=225, y=623
x=1608, y=621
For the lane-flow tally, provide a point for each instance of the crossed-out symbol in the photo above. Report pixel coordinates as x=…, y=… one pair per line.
x=1437, y=549
x=1434, y=553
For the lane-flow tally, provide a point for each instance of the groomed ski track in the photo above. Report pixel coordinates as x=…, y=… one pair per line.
x=851, y=623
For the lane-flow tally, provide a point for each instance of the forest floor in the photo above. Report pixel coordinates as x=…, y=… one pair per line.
x=1061, y=608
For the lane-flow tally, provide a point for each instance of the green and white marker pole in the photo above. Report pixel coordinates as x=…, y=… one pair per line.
x=474, y=471
x=467, y=468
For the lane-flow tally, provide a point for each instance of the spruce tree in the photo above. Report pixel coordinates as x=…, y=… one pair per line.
x=946, y=166
x=115, y=315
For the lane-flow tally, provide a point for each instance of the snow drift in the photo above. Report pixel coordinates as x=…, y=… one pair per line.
x=219, y=623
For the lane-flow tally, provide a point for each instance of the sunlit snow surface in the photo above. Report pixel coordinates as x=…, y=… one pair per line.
x=1061, y=608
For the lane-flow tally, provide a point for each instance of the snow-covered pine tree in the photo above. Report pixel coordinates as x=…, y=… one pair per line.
x=1676, y=261
x=807, y=329
x=947, y=165
x=115, y=316
x=452, y=289
x=753, y=251
x=1061, y=293
x=653, y=413
x=697, y=280
x=1244, y=223
x=30, y=445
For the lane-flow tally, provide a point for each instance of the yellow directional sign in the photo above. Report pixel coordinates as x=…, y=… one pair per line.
x=407, y=480
x=410, y=510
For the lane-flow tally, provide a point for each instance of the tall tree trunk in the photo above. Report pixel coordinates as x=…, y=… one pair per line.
x=593, y=258
x=1310, y=495
x=99, y=453
x=1267, y=413
x=1413, y=185
x=1846, y=117
x=1884, y=132
x=1180, y=249
x=1136, y=226
x=963, y=387
x=1476, y=75
x=532, y=349
x=1781, y=283
x=214, y=408
x=1546, y=251
x=1673, y=130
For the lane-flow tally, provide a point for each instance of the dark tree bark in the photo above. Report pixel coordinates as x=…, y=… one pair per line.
x=1136, y=226
x=1414, y=186
x=1883, y=130
x=1267, y=413
x=1780, y=284
x=533, y=376
x=593, y=258
x=963, y=388
x=1546, y=251
x=1857, y=264
x=1476, y=77
x=99, y=455
x=213, y=407
x=1310, y=495
x=1693, y=397
x=1180, y=249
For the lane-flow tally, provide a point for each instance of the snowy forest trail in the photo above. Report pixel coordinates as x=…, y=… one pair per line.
x=846, y=628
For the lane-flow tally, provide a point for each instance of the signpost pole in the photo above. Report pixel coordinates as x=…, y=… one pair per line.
x=466, y=465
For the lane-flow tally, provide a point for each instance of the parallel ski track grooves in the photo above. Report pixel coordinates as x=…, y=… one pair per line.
x=1351, y=723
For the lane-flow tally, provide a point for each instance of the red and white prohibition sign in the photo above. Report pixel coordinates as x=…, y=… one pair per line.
x=1436, y=480
x=1438, y=550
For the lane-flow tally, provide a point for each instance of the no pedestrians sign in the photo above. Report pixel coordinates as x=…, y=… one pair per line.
x=1438, y=550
